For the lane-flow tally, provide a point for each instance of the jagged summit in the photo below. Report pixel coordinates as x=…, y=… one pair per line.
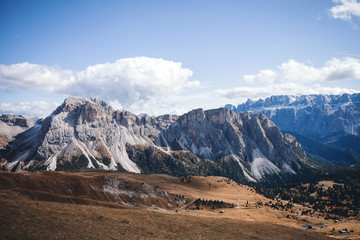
x=317, y=116
x=89, y=133
x=219, y=133
x=17, y=120
x=81, y=132
x=72, y=103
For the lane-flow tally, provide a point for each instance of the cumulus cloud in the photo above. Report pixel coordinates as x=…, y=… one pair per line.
x=157, y=86
x=128, y=81
x=293, y=71
x=34, y=77
x=33, y=110
x=296, y=78
x=345, y=9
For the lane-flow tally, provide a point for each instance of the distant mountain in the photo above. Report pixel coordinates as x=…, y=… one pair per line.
x=87, y=133
x=328, y=153
x=329, y=119
x=317, y=116
x=12, y=125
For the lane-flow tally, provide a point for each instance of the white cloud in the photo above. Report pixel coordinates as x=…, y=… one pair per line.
x=296, y=78
x=133, y=80
x=293, y=71
x=157, y=86
x=241, y=94
x=34, y=77
x=128, y=81
x=345, y=9
x=31, y=109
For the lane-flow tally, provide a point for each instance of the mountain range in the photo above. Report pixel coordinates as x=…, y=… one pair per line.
x=89, y=134
x=317, y=116
x=327, y=126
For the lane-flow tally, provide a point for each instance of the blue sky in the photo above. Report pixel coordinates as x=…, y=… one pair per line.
x=172, y=56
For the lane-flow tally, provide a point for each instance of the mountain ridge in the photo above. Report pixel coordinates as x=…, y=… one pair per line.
x=11, y=125
x=329, y=122
x=88, y=133
x=318, y=116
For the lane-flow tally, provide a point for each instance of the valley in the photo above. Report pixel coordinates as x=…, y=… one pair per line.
x=167, y=120
x=88, y=171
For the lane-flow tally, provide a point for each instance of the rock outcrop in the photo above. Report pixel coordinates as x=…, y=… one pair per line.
x=83, y=133
x=87, y=133
x=250, y=139
x=12, y=125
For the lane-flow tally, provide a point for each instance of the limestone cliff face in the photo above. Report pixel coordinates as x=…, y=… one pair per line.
x=88, y=133
x=251, y=140
x=83, y=133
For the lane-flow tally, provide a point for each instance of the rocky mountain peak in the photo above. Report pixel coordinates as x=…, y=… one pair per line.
x=12, y=125
x=221, y=133
x=220, y=115
x=215, y=116
x=194, y=115
x=17, y=120
x=90, y=107
x=88, y=133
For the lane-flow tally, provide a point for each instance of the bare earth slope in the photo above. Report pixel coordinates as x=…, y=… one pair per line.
x=60, y=205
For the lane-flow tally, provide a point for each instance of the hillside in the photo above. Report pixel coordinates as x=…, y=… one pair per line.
x=333, y=154
x=348, y=142
x=106, y=206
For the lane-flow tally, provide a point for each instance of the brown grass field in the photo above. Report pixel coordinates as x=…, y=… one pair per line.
x=59, y=205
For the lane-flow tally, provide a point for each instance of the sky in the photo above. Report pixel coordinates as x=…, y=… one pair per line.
x=172, y=56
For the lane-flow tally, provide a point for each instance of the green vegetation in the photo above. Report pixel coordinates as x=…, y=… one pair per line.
x=330, y=154
x=182, y=163
x=74, y=164
x=94, y=162
x=338, y=200
x=348, y=142
x=200, y=204
x=106, y=161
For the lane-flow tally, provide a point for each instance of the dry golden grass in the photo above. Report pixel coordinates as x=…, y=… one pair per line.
x=40, y=206
x=21, y=218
